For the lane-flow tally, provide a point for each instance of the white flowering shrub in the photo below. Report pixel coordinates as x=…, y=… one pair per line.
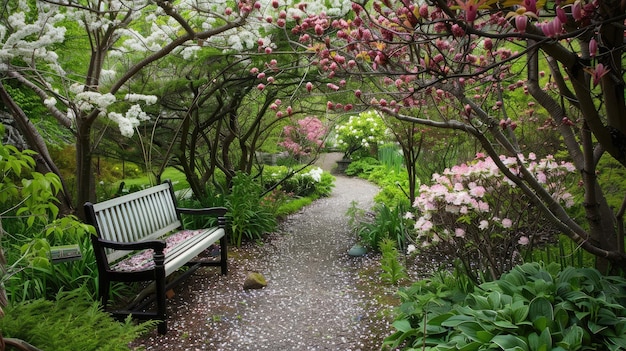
x=360, y=133
x=479, y=215
x=312, y=181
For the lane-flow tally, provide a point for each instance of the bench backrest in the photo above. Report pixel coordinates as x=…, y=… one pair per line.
x=143, y=215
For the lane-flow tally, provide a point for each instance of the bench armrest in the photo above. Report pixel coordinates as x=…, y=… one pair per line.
x=156, y=245
x=214, y=211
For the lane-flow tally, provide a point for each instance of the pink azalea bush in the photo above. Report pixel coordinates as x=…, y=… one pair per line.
x=304, y=137
x=482, y=217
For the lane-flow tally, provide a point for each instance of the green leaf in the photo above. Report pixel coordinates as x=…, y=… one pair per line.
x=541, y=323
x=440, y=319
x=507, y=287
x=561, y=317
x=402, y=325
x=472, y=346
x=457, y=320
x=540, y=307
x=572, y=338
x=494, y=299
x=534, y=344
x=541, y=342
x=475, y=331
x=520, y=312
x=505, y=325
x=595, y=328
x=510, y=342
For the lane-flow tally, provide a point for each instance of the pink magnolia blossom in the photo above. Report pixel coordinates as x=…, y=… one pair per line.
x=531, y=6
x=597, y=74
x=593, y=47
x=560, y=12
x=577, y=10
x=471, y=8
x=520, y=23
x=302, y=139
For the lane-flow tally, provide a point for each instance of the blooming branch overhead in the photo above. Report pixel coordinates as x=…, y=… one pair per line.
x=485, y=65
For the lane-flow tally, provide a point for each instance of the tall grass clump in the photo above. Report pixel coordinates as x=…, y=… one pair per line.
x=389, y=155
x=247, y=218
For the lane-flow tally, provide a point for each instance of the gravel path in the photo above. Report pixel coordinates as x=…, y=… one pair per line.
x=317, y=297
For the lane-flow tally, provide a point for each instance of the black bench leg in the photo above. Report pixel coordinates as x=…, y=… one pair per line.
x=159, y=260
x=224, y=254
x=103, y=291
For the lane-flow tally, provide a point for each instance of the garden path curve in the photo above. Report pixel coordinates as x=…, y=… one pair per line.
x=317, y=297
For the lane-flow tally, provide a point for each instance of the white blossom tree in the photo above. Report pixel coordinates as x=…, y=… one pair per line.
x=116, y=40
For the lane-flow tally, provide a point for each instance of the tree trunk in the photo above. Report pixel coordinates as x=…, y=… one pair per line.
x=85, y=185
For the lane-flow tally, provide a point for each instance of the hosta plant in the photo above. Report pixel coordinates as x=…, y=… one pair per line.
x=531, y=308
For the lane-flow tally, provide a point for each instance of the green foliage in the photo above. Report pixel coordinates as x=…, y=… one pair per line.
x=391, y=181
x=247, y=217
x=72, y=322
x=390, y=156
x=393, y=270
x=565, y=253
x=311, y=181
x=214, y=198
x=30, y=103
x=389, y=223
x=612, y=176
x=362, y=167
x=292, y=206
x=31, y=226
x=533, y=307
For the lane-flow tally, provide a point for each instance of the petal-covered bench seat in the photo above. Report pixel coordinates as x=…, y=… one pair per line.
x=144, y=259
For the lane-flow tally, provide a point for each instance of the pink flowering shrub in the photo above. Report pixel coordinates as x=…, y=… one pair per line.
x=480, y=215
x=304, y=137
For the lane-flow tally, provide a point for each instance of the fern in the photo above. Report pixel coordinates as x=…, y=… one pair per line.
x=72, y=322
x=393, y=270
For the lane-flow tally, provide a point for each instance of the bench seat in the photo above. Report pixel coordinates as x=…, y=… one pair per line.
x=180, y=248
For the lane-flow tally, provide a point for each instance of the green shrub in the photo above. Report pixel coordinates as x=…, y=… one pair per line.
x=31, y=225
x=214, y=198
x=247, y=217
x=36, y=277
x=362, y=167
x=389, y=223
x=311, y=181
x=73, y=322
x=532, y=307
x=361, y=134
x=292, y=206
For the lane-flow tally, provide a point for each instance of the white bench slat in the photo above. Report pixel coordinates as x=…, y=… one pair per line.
x=201, y=242
x=139, y=218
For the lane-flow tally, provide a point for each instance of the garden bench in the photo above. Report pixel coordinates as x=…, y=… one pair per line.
x=140, y=238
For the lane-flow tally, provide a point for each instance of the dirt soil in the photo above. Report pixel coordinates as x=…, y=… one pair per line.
x=317, y=298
